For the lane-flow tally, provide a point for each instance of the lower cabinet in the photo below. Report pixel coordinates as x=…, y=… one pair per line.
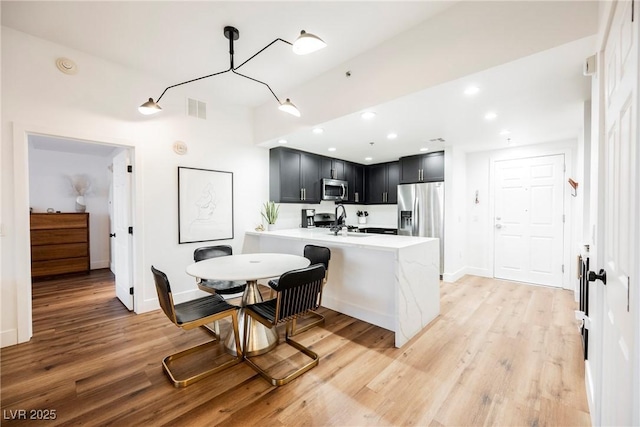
x=59, y=244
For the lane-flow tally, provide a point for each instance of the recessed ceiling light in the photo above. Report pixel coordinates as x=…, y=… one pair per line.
x=471, y=90
x=510, y=143
x=332, y=148
x=368, y=115
x=392, y=135
x=318, y=131
x=282, y=141
x=424, y=149
x=368, y=159
x=505, y=132
x=490, y=115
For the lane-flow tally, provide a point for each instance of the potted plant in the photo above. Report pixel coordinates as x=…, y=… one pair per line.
x=270, y=213
x=362, y=216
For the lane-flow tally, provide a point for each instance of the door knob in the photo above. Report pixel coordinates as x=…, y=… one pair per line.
x=602, y=276
x=498, y=226
x=112, y=234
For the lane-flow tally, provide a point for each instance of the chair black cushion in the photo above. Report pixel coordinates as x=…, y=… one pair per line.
x=224, y=287
x=201, y=307
x=318, y=255
x=266, y=309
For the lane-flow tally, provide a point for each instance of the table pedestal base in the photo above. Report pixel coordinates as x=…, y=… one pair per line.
x=261, y=338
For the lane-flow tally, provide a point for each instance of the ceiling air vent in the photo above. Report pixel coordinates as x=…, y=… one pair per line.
x=197, y=109
x=437, y=140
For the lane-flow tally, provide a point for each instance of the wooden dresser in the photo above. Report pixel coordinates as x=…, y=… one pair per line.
x=59, y=244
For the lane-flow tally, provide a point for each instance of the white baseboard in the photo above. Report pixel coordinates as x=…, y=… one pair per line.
x=8, y=338
x=453, y=277
x=482, y=272
x=95, y=265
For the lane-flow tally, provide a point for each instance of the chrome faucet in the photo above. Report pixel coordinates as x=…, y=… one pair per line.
x=339, y=219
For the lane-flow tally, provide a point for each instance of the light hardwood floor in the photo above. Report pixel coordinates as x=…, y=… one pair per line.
x=500, y=353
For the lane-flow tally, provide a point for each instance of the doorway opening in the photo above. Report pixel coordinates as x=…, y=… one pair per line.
x=93, y=178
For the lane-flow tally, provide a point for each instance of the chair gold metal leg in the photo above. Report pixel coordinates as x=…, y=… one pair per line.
x=293, y=375
x=318, y=321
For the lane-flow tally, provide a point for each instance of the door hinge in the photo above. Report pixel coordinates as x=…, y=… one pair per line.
x=130, y=230
x=564, y=167
x=563, y=268
x=563, y=218
x=131, y=290
x=129, y=168
x=633, y=9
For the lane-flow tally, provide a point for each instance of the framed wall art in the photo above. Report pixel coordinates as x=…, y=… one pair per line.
x=205, y=205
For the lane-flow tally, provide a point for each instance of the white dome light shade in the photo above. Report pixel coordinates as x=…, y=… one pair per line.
x=288, y=107
x=149, y=107
x=307, y=43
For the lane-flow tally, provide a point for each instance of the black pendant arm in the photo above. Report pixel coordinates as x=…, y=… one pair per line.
x=256, y=80
x=191, y=81
x=260, y=51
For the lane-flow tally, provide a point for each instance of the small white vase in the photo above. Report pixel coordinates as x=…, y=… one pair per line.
x=80, y=204
x=271, y=227
x=362, y=220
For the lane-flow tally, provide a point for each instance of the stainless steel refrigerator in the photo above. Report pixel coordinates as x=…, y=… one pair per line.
x=421, y=212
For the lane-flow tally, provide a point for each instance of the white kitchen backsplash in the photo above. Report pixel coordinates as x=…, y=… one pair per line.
x=379, y=215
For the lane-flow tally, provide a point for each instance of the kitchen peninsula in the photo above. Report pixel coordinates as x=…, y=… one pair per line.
x=389, y=281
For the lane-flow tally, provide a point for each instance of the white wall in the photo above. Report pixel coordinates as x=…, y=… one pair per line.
x=49, y=187
x=99, y=104
x=480, y=221
x=455, y=214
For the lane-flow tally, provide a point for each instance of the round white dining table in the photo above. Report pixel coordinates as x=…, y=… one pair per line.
x=249, y=267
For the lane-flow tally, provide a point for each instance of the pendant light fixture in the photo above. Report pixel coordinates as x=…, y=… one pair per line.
x=305, y=43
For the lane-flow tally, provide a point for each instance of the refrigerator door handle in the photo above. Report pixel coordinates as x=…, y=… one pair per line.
x=415, y=221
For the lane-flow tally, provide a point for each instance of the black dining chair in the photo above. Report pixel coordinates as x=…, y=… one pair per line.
x=317, y=255
x=222, y=287
x=297, y=292
x=190, y=315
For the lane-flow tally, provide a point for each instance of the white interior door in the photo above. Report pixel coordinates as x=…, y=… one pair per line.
x=121, y=222
x=529, y=220
x=619, y=250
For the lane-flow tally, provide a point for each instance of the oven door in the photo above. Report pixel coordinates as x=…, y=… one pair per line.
x=334, y=189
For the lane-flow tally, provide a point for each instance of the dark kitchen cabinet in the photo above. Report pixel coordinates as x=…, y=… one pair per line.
x=382, y=183
x=294, y=176
x=333, y=169
x=422, y=168
x=354, y=174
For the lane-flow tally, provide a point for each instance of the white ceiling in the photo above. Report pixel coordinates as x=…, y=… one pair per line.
x=539, y=98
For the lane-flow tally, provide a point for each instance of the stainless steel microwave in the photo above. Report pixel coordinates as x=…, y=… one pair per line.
x=335, y=189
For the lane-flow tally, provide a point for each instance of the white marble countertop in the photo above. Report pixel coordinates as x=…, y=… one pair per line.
x=366, y=240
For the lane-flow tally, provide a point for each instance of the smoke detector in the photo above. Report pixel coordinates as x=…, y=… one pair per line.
x=66, y=65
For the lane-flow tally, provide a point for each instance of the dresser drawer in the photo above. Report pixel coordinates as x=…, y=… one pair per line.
x=59, y=266
x=57, y=221
x=60, y=236
x=47, y=252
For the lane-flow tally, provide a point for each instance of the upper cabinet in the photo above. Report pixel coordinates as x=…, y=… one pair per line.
x=422, y=168
x=294, y=176
x=354, y=174
x=382, y=183
x=333, y=169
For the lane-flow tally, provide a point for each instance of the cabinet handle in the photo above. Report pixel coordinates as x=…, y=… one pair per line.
x=356, y=197
x=302, y=194
x=304, y=191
